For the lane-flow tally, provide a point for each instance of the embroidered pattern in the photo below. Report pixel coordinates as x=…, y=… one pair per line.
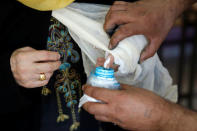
x=68, y=81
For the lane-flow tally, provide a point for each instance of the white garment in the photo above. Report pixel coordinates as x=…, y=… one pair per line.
x=85, y=24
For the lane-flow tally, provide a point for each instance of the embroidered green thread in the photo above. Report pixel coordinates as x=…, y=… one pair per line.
x=45, y=91
x=67, y=80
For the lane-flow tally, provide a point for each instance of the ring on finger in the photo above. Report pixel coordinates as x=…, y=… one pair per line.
x=42, y=77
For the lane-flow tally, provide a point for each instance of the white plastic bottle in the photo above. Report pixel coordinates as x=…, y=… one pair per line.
x=101, y=77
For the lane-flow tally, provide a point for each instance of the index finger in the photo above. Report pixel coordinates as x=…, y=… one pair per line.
x=115, y=18
x=44, y=55
x=96, y=108
x=103, y=94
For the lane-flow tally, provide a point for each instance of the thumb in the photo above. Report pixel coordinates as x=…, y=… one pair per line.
x=103, y=94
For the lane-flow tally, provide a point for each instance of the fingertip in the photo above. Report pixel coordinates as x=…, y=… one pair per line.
x=58, y=64
x=142, y=57
x=84, y=87
x=110, y=46
x=147, y=53
x=113, y=43
x=58, y=56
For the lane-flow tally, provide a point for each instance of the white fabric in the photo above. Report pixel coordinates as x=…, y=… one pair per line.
x=85, y=98
x=85, y=24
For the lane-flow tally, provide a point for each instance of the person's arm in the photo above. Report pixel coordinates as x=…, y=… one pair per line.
x=152, y=18
x=179, y=118
x=139, y=109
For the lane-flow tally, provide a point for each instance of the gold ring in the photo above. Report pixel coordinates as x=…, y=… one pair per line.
x=42, y=77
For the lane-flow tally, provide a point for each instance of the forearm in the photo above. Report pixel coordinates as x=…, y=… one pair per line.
x=179, y=119
x=179, y=6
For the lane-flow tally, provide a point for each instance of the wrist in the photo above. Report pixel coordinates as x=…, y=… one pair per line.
x=170, y=117
x=166, y=114
x=176, y=118
x=177, y=7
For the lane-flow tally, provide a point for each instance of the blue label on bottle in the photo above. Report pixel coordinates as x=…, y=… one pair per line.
x=103, y=72
x=103, y=77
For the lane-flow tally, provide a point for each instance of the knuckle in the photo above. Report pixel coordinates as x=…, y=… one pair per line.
x=113, y=7
x=116, y=2
x=27, y=47
x=20, y=56
x=94, y=93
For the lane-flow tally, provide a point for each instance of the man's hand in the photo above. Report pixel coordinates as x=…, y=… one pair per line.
x=152, y=18
x=131, y=108
x=27, y=64
x=139, y=109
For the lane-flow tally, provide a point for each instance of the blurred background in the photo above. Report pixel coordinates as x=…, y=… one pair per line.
x=179, y=55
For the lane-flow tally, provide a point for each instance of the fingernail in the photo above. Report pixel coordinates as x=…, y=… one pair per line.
x=141, y=60
x=110, y=46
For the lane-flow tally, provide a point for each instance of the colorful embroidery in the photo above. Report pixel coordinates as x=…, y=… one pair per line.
x=60, y=41
x=68, y=81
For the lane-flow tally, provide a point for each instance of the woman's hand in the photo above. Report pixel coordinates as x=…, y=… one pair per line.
x=27, y=64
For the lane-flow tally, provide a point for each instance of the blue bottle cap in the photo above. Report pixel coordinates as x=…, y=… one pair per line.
x=104, y=72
